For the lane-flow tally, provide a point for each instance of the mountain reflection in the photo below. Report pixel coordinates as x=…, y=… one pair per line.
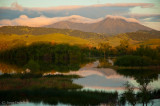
x=135, y=83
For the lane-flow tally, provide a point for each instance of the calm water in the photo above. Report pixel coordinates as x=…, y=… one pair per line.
x=155, y=103
x=105, y=79
x=109, y=79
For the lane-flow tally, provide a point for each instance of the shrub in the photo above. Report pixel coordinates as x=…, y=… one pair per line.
x=32, y=65
x=131, y=60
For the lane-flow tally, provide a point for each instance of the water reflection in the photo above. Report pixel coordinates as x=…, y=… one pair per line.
x=11, y=69
x=96, y=78
x=110, y=79
x=40, y=67
x=142, y=77
x=55, y=97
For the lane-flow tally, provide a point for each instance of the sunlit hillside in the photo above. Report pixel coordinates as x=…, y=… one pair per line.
x=11, y=36
x=7, y=41
x=151, y=42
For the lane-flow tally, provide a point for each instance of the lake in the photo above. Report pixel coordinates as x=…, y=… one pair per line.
x=101, y=79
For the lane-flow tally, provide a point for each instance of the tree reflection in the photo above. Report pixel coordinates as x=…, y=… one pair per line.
x=143, y=78
x=40, y=66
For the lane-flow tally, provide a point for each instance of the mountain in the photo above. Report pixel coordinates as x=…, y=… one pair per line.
x=109, y=25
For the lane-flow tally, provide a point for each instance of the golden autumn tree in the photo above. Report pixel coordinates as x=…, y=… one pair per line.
x=105, y=47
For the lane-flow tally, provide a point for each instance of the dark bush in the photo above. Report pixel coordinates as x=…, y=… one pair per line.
x=131, y=60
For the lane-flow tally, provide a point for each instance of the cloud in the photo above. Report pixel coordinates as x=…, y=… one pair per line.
x=146, y=17
x=58, y=8
x=108, y=88
x=42, y=20
x=154, y=25
x=16, y=6
x=143, y=15
x=5, y=22
x=89, y=14
x=124, y=18
x=24, y=20
x=142, y=5
x=90, y=11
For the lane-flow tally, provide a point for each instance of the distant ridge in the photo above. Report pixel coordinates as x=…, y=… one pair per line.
x=110, y=25
x=25, y=30
x=26, y=34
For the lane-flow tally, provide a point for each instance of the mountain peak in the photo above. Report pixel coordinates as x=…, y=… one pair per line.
x=80, y=19
x=122, y=18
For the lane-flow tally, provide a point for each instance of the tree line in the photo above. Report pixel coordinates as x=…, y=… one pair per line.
x=126, y=55
x=47, y=56
x=65, y=54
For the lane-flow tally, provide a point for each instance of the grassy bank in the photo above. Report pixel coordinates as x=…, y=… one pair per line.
x=31, y=81
x=50, y=90
x=54, y=96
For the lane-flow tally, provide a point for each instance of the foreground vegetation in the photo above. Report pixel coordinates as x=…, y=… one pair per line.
x=144, y=96
x=49, y=90
x=34, y=81
x=54, y=96
x=60, y=89
x=144, y=77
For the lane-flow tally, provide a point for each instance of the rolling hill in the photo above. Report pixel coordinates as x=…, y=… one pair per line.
x=56, y=38
x=144, y=35
x=19, y=35
x=135, y=38
x=13, y=40
x=25, y=30
x=151, y=42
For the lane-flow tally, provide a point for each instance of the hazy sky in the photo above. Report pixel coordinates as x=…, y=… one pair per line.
x=30, y=12
x=50, y=3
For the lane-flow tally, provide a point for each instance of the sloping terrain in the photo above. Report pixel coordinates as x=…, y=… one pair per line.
x=10, y=41
x=11, y=36
x=108, y=25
